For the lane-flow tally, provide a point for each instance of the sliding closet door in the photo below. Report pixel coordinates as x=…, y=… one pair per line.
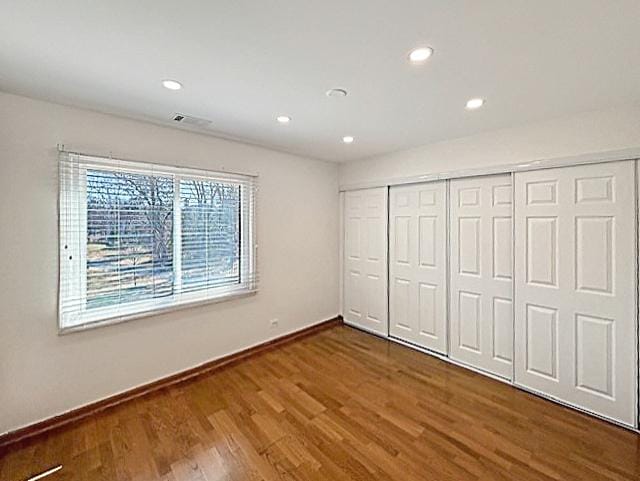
x=365, y=259
x=576, y=286
x=481, y=317
x=417, y=267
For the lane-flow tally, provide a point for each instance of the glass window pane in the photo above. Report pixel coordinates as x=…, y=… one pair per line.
x=129, y=237
x=210, y=215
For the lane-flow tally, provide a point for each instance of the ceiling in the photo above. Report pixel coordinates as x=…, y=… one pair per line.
x=244, y=62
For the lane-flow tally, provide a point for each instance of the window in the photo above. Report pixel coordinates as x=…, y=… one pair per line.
x=137, y=238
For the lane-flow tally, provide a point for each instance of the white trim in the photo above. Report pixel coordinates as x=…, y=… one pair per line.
x=447, y=264
x=637, y=293
x=388, y=266
x=341, y=242
x=153, y=311
x=513, y=276
x=97, y=158
x=591, y=158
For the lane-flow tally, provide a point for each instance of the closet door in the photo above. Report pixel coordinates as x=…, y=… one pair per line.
x=481, y=317
x=576, y=286
x=365, y=259
x=417, y=268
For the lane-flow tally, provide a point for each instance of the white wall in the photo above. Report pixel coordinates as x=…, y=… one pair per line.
x=43, y=374
x=586, y=133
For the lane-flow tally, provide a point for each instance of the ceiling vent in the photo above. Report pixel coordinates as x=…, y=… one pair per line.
x=190, y=120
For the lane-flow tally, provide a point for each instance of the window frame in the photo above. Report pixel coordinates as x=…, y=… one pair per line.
x=73, y=247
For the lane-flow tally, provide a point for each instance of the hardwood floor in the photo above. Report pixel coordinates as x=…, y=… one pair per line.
x=337, y=405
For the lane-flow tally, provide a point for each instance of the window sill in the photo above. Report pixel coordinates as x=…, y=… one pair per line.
x=118, y=319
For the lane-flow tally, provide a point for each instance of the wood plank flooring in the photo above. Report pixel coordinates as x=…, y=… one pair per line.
x=338, y=405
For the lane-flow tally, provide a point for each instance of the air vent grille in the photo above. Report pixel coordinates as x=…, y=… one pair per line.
x=190, y=120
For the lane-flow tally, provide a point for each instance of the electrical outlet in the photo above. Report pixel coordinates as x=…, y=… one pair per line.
x=274, y=323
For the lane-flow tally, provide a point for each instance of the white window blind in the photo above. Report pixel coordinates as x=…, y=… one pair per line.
x=137, y=238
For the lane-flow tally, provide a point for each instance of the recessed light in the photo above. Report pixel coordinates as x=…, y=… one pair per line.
x=283, y=119
x=421, y=54
x=336, y=93
x=347, y=139
x=474, y=104
x=171, y=84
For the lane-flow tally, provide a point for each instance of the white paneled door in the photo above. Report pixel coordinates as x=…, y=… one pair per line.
x=417, y=264
x=365, y=260
x=481, y=284
x=575, y=286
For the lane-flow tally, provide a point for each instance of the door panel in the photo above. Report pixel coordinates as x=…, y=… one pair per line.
x=365, y=259
x=502, y=330
x=481, y=317
x=576, y=283
x=417, y=267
